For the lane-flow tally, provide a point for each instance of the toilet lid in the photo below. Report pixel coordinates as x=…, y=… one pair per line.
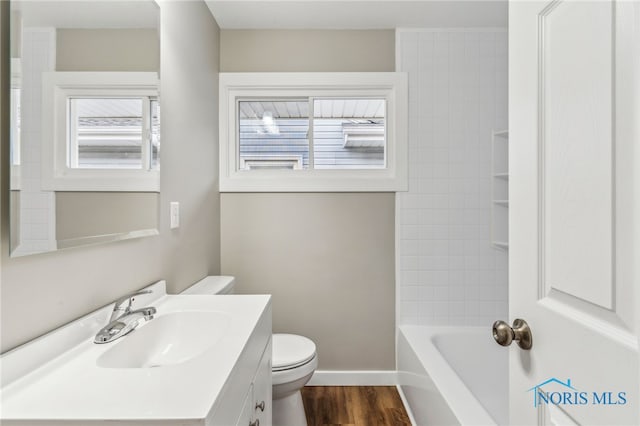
x=290, y=351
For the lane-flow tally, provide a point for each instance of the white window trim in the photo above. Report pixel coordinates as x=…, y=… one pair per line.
x=391, y=86
x=57, y=88
x=294, y=160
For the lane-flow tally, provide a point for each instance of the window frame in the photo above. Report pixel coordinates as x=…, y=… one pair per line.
x=58, y=87
x=390, y=86
x=294, y=160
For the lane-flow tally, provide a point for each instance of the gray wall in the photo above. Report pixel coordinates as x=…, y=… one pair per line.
x=42, y=292
x=328, y=259
x=307, y=50
x=84, y=214
x=107, y=50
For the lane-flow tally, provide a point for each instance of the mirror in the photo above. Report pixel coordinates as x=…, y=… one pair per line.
x=85, y=119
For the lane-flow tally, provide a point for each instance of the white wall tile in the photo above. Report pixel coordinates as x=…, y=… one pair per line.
x=37, y=208
x=449, y=273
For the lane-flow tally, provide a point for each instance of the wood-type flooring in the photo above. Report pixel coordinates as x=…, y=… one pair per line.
x=354, y=405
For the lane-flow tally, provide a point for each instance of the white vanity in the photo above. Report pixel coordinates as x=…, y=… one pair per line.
x=202, y=360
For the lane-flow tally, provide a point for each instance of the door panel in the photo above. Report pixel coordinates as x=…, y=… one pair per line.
x=575, y=48
x=573, y=106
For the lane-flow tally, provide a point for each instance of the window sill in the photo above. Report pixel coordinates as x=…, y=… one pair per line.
x=313, y=181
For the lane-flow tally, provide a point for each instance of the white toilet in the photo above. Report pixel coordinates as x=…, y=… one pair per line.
x=294, y=360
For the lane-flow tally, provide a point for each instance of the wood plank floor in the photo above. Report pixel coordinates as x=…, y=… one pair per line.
x=354, y=405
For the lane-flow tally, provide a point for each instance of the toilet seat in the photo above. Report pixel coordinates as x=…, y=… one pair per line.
x=291, y=351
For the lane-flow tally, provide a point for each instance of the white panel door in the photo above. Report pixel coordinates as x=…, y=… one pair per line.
x=574, y=219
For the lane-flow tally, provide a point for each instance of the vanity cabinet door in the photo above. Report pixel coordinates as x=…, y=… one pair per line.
x=262, y=389
x=246, y=413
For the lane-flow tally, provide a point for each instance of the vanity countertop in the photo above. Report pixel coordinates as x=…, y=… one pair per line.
x=71, y=386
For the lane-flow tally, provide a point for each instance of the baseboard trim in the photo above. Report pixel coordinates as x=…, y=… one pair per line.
x=354, y=378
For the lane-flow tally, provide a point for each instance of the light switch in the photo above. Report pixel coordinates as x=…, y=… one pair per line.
x=175, y=214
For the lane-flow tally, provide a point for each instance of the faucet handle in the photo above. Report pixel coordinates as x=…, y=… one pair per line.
x=117, y=307
x=130, y=296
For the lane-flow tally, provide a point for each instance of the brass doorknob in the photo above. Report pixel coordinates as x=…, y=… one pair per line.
x=520, y=332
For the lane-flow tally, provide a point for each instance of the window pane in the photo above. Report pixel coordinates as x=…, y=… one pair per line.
x=155, y=134
x=105, y=133
x=349, y=133
x=274, y=134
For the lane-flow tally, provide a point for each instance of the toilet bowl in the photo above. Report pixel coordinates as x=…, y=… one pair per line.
x=293, y=364
x=294, y=360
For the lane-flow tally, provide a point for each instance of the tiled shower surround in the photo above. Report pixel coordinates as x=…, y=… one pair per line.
x=37, y=207
x=449, y=272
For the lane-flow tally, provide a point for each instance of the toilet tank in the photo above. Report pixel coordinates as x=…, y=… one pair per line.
x=213, y=284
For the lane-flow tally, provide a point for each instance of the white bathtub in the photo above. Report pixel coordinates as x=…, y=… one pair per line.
x=453, y=375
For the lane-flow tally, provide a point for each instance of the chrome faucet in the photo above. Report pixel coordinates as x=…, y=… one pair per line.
x=123, y=320
x=119, y=310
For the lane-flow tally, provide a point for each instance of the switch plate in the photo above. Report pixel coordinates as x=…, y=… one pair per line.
x=175, y=214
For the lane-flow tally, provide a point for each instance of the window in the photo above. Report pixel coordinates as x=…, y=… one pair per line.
x=313, y=132
x=349, y=133
x=273, y=134
x=113, y=133
x=105, y=130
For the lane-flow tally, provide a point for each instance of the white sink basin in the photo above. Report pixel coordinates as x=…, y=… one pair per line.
x=197, y=344
x=168, y=339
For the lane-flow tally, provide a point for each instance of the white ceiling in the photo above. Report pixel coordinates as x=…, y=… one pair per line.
x=357, y=14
